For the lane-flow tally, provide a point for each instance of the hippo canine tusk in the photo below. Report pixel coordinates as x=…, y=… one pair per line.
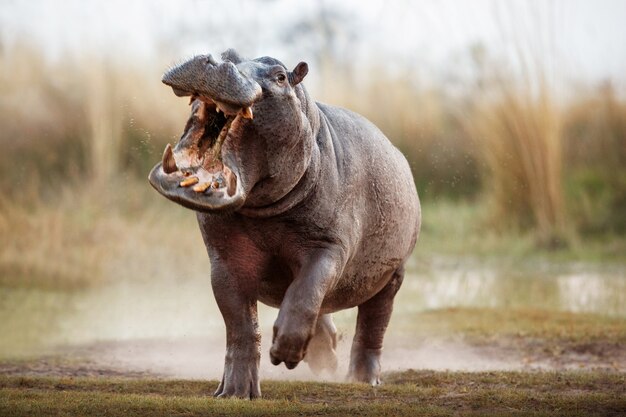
x=169, y=165
x=247, y=112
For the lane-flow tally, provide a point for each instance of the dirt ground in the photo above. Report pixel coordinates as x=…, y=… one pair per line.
x=203, y=358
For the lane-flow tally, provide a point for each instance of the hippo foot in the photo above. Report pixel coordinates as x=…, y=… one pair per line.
x=290, y=350
x=288, y=346
x=365, y=366
x=240, y=380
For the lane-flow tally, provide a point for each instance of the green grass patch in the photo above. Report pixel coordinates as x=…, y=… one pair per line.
x=465, y=229
x=409, y=393
x=560, y=340
x=488, y=323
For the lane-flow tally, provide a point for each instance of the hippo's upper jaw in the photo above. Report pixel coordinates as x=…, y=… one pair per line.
x=221, y=83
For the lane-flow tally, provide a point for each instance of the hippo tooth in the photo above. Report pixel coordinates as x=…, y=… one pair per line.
x=201, y=113
x=169, y=165
x=200, y=188
x=189, y=181
x=231, y=181
x=247, y=112
x=217, y=108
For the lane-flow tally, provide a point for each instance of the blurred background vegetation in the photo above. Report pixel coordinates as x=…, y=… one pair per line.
x=506, y=150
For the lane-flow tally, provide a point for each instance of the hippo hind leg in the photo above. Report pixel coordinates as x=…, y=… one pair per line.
x=321, y=352
x=372, y=320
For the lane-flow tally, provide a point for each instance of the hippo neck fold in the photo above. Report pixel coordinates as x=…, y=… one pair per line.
x=302, y=181
x=297, y=194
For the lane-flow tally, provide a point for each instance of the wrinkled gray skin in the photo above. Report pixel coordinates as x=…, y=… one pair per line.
x=318, y=213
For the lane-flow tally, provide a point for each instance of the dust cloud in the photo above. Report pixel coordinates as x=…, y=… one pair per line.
x=173, y=328
x=203, y=358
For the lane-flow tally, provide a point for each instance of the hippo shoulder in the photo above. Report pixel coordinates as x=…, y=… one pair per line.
x=350, y=124
x=360, y=141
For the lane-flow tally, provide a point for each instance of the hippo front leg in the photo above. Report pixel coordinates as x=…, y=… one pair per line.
x=297, y=318
x=243, y=339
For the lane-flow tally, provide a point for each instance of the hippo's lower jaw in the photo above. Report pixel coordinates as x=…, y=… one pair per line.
x=202, y=182
x=199, y=190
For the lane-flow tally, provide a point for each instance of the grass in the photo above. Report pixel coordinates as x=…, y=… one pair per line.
x=74, y=238
x=520, y=140
x=463, y=229
x=90, y=122
x=595, y=176
x=409, y=393
x=90, y=235
x=489, y=323
x=534, y=338
x=516, y=123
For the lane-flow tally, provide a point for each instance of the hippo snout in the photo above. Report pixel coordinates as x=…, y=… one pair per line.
x=202, y=76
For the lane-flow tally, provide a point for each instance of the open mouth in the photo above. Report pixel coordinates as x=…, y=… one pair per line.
x=194, y=174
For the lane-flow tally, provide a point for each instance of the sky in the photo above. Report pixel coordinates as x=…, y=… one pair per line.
x=585, y=40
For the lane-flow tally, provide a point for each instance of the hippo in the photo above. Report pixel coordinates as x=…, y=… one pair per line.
x=303, y=206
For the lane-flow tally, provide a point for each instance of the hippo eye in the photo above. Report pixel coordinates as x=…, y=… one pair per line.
x=281, y=77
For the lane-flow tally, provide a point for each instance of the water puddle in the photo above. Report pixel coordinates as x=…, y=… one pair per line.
x=578, y=288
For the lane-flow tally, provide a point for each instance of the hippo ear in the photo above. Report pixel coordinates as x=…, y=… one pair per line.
x=298, y=73
x=232, y=56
